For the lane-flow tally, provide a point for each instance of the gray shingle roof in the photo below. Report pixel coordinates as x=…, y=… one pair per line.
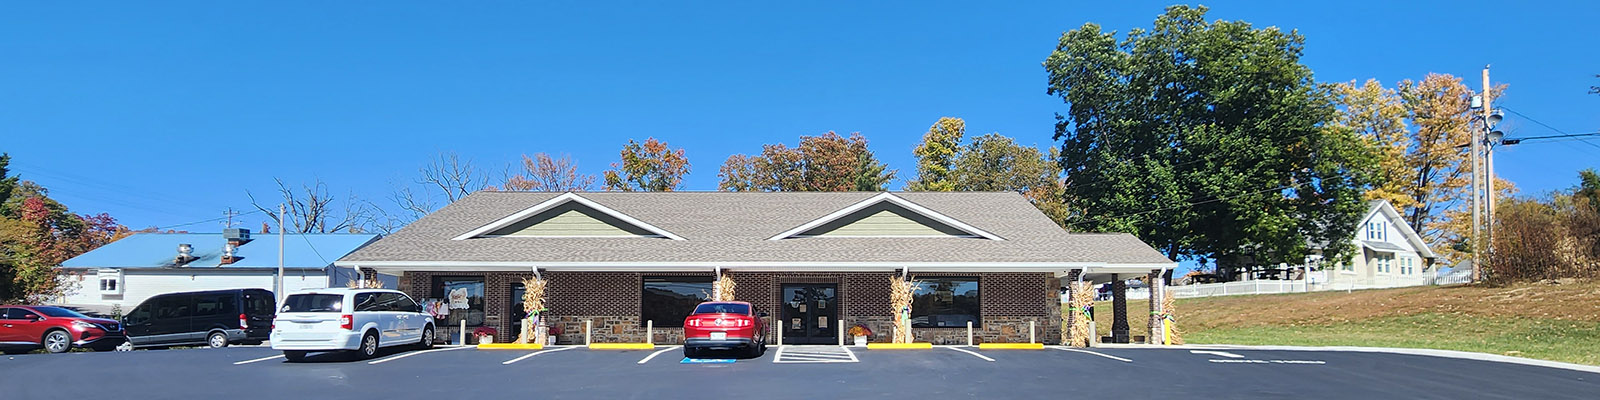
x=733, y=227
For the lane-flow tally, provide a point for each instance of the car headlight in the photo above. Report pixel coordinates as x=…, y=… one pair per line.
x=84, y=325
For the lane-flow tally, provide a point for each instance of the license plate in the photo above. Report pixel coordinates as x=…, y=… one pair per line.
x=307, y=326
x=719, y=336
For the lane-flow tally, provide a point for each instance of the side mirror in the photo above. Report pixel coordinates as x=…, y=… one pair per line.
x=31, y=317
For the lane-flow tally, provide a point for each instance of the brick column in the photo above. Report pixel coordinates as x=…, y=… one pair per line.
x=1119, y=310
x=1157, y=290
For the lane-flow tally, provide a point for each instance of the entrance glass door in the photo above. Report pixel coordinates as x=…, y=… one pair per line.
x=810, y=311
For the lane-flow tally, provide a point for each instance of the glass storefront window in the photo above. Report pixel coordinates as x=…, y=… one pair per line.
x=946, y=303
x=465, y=296
x=668, y=300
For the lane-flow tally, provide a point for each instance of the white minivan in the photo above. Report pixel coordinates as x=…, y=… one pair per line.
x=348, y=319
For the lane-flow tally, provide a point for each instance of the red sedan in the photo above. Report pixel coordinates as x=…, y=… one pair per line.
x=724, y=325
x=56, y=329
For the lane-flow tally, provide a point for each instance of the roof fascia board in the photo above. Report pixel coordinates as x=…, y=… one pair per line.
x=897, y=200
x=559, y=200
x=916, y=267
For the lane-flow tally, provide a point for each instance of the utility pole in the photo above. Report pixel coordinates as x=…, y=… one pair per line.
x=279, y=290
x=1477, y=205
x=1488, y=180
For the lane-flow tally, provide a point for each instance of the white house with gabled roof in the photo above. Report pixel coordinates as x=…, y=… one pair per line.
x=1388, y=254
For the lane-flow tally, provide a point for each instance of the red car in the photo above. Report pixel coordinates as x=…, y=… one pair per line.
x=56, y=329
x=724, y=325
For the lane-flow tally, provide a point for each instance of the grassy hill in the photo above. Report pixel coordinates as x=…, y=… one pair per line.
x=1552, y=320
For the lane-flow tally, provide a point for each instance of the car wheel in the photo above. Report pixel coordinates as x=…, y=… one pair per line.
x=689, y=352
x=294, y=355
x=369, y=346
x=217, y=340
x=57, y=341
x=427, y=337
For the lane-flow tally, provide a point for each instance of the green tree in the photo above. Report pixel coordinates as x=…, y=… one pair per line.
x=936, y=155
x=826, y=163
x=651, y=166
x=1209, y=140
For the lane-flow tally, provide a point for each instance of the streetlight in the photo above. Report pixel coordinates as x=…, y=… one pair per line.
x=1491, y=137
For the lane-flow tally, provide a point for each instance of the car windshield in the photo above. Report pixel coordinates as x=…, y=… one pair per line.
x=730, y=308
x=314, y=303
x=59, y=312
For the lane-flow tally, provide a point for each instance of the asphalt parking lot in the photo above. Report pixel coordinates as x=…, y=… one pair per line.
x=783, y=372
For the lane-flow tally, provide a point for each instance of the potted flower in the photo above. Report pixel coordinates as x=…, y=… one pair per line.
x=484, y=334
x=860, y=332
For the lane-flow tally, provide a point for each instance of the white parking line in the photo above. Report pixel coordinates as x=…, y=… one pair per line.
x=508, y=362
x=1219, y=353
x=815, y=354
x=657, y=353
x=974, y=353
x=1062, y=348
x=258, y=359
x=404, y=355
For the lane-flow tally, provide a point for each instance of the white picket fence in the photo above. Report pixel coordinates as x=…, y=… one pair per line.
x=1276, y=287
x=1237, y=288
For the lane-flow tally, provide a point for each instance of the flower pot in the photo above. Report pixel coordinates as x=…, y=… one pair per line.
x=486, y=339
x=861, y=340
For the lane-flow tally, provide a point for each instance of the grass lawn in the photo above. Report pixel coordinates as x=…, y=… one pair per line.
x=1548, y=321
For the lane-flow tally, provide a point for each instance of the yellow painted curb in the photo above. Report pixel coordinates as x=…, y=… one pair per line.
x=899, y=346
x=510, y=346
x=1011, y=346
x=621, y=346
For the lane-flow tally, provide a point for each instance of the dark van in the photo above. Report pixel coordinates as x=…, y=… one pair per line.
x=215, y=318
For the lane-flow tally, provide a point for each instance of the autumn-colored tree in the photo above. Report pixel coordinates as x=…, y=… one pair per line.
x=37, y=233
x=936, y=155
x=1379, y=115
x=651, y=166
x=1440, y=111
x=542, y=173
x=826, y=163
x=990, y=163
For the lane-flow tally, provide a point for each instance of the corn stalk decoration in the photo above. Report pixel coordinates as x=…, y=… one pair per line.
x=364, y=284
x=1082, y=299
x=723, y=288
x=533, y=301
x=900, y=292
x=1168, y=310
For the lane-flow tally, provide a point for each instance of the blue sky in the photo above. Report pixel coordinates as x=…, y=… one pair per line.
x=167, y=114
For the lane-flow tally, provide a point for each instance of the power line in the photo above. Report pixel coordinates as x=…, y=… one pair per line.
x=1563, y=134
x=209, y=220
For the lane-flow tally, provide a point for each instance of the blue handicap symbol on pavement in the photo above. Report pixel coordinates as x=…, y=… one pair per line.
x=687, y=360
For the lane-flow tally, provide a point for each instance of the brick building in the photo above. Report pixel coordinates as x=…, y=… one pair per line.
x=808, y=259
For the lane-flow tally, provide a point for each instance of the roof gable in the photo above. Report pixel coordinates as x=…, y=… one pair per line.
x=1382, y=208
x=885, y=215
x=568, y=215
